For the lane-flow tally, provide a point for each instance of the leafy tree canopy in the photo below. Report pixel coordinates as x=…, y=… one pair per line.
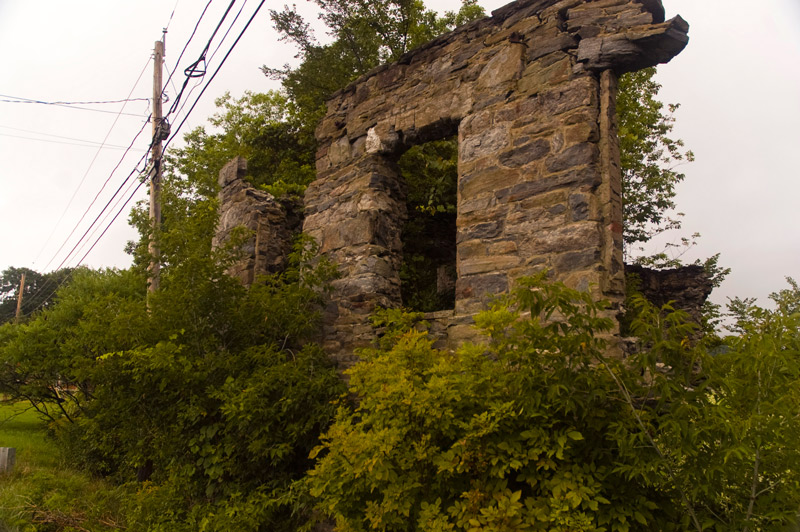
x=365, y=34
x=37, y=294
x=649, y=158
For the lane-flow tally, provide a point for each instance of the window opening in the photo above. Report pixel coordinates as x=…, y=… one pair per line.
x=428, y=273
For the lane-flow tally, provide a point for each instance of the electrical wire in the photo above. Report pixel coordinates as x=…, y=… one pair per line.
x=83, y=179
x=69, y=275
x=110, y=210
x=82, y=241
x=171, y=15
x=63, y=262
x=194, y=70
x=124, y=205
x=170, y=82
x=107, y=180
x=185, y=46
x=74, y=105
x=89, y=144
x=92, y=203
x=230, y=50
x=84, y=141
x=211, y=58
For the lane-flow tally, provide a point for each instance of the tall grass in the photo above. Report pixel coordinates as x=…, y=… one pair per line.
x=43, y=493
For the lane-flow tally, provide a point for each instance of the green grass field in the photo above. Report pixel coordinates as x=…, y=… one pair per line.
x=44, y=494
x=21, y=428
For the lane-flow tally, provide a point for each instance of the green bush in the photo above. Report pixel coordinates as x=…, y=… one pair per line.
x=538, y=429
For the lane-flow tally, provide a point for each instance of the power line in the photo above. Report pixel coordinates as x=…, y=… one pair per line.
x=93, y=202
x=87, y=210
x=171, y=15
x=92, y=145
x=211, y=57
x=227, y=31
x=86, y=143
x=74, y=105
x=185, y=46
x=91, y=164
x=105, y=218
x=124, y=205
x=18, y=99
x=66, y=278
x=230, y=50
x=194, y=70
x=81, y=241
x=69, y=275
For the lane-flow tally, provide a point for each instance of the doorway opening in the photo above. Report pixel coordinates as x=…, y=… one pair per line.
x=428, y=272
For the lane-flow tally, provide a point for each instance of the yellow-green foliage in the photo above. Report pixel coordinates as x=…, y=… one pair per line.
x=537, y=429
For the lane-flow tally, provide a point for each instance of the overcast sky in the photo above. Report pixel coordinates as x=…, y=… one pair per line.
x=738, y=83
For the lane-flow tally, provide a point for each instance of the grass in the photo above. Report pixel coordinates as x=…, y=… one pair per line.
x=44, y=494
x=21, y=428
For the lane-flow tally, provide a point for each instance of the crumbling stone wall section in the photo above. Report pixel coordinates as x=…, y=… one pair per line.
x=687, y=287
x=273, y=223
x=531, y=93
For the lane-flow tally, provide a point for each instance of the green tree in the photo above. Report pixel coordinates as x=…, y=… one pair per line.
x=38, y=293
x=750, y=475
x=263, y=128
x=42, y=360
x=429, y=234
x=365, y=34
x=649, y=158
x=511, y=435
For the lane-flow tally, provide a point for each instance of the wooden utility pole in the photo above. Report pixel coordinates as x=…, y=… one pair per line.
x=155, y=178
x=19, y=298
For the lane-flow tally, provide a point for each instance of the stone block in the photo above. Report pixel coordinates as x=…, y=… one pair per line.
x=540, y=76
x=525, y=153
x=539, y=183
x=488, y=264
x=484, y=143
x=582, y=154
x=571, y=237
x=487, y=181
x=8, y=456
x=479, y=287
x=505, y=66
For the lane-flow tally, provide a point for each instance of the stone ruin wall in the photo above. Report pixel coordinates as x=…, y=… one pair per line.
x=272, y=223
x=530, y=91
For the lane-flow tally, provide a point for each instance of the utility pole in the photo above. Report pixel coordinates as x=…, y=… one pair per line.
x=19, y=298
x=155, y=178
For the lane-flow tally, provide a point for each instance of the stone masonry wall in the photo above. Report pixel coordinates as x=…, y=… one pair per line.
x=273, y=223
x=687, y=287
x=531, y=93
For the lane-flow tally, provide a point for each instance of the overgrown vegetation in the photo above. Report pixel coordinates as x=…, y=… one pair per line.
x=539, y=429
x=428, y=272
x=44, y=491
x=214, y=409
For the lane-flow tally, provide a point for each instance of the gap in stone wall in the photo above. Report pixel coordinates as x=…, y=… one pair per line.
x=428, y=271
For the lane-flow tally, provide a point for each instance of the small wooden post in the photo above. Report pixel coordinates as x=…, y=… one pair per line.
x=7, y=458
x=19, y=298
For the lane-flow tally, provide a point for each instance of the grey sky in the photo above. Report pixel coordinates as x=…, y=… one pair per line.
x=738, y=84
